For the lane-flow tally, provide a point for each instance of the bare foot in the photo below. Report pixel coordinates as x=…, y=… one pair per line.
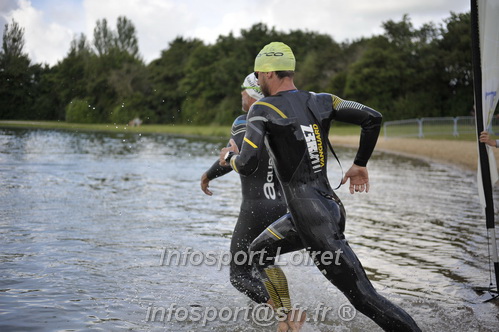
x=282, y=327
x=296, y=319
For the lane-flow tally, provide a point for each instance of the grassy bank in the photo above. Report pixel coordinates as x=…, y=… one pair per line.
x=187, y=130
x=184, y=130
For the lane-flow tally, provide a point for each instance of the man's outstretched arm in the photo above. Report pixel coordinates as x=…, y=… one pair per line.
x=370, y=122
x=216, y=170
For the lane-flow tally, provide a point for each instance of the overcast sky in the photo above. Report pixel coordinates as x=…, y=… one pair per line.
x=50, y=25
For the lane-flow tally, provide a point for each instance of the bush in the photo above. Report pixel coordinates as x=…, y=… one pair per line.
x=80, y=111
x=132, y=107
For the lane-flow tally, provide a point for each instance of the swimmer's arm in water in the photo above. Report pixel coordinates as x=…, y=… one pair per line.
x=246, y=161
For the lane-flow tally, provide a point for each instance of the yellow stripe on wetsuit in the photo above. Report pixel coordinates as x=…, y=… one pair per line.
x=277, y=287
x=272, y=107
x=271, y=232
x=336, y=101
x=250, y=143
x=233, y=164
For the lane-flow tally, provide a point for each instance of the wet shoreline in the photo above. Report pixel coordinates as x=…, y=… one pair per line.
x=462, y=154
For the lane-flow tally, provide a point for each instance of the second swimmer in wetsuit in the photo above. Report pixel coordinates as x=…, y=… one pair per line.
x=294, y=125
x=262, y=203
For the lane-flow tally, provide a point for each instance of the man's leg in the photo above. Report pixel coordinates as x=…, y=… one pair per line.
x=242, y=276
x=320, y=224
x=280, y=237
x=346, y=273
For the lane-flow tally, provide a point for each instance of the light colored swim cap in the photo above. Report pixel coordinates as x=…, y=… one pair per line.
x=251, y=86
x=275, y=56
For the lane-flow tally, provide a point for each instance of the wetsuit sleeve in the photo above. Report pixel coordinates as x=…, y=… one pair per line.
x=237, y=134
x=216, y=170
x=370, y=121
x=252, y=144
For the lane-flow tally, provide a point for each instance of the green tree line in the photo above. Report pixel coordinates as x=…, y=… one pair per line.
x=404, y=73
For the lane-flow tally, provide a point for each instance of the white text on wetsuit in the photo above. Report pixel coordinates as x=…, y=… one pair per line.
x=314, y=143
x=268, y=187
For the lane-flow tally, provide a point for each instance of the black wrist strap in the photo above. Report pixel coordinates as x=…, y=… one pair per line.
x=228, y=156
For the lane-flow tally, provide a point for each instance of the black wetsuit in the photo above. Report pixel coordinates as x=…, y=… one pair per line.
x=294, y=125
x=262, y=203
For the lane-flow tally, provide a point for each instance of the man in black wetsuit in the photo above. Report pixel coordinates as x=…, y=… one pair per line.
x=262, y=203
x=294, y=125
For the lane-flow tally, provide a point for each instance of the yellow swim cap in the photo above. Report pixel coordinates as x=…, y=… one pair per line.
x=275, y=56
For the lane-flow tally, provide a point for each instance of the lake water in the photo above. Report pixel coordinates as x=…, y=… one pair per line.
x=88, y=222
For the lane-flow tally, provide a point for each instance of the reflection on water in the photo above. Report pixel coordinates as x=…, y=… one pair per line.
x=85, y=218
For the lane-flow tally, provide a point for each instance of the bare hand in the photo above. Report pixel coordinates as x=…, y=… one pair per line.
x=485, y=138
x=232, y=147
x=359, y=179
x=205, y=183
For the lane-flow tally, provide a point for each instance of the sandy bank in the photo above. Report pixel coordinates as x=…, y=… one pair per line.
x=458, y=153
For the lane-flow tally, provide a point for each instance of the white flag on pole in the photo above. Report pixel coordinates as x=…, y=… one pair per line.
x=488, y=26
